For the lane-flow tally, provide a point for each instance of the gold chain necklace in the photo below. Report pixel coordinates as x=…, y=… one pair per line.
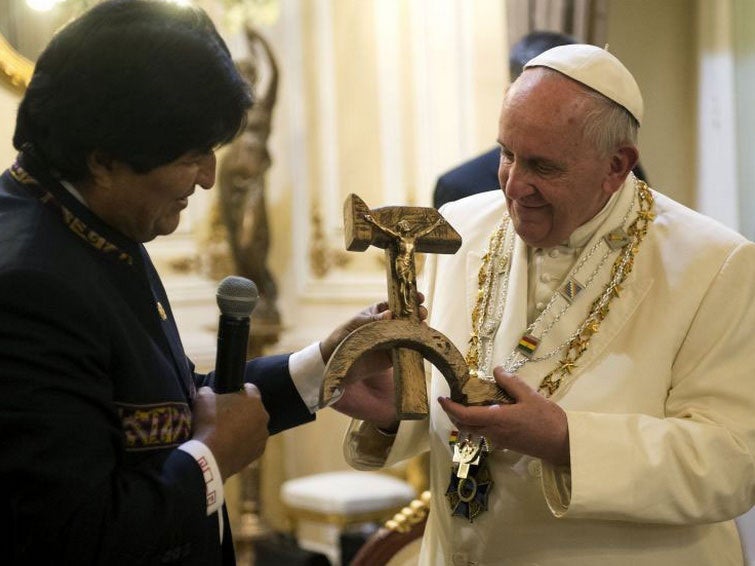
x=579, y=341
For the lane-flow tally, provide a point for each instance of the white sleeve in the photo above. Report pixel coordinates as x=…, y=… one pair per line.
x=307, y=369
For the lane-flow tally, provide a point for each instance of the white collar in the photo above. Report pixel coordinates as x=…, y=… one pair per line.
x=71, y=189
x=582, y=234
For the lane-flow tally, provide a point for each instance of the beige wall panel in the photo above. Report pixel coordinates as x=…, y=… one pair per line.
x=407, y=93
x=490, y=75
x=9, y=99
x=464, y=59
x=446, y=129
x=744, y=29
x=356, y=100
x=656, y=40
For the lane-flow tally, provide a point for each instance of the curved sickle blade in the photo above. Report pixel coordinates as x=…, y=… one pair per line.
x=433, y=345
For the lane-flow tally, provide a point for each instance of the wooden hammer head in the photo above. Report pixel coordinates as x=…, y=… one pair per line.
x=356, y=230
x=359, y=234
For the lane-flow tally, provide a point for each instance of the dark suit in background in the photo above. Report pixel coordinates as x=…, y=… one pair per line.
x=474, y=176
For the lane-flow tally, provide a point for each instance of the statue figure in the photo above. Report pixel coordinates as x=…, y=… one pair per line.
x=240, y=220
x=241, y=183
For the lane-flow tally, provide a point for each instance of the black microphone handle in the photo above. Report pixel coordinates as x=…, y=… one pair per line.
x=233, y=337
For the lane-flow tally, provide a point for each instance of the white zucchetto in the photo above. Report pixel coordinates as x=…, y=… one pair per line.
x=596, y=68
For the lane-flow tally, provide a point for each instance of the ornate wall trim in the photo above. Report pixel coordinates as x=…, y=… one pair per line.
x=16, y=69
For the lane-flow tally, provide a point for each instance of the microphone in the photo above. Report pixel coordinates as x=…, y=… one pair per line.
x=236, y=297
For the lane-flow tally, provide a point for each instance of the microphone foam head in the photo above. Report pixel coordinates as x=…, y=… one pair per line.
x=237, y=296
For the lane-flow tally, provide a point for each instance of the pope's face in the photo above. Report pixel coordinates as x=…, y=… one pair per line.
x=145, y=205
x=553, y=179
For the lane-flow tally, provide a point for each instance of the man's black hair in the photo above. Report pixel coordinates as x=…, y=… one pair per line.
x=143, y=81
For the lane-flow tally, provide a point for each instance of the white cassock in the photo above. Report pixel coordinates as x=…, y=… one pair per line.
x=661, y=406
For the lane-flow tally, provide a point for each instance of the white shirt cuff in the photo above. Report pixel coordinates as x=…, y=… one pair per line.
x=307, y=368
x=212, y=480
x=556, y=482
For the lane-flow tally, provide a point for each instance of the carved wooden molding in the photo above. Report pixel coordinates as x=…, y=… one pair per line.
x=16, y=69
x=323, y=257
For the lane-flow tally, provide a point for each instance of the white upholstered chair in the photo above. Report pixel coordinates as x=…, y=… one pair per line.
x=321, y=506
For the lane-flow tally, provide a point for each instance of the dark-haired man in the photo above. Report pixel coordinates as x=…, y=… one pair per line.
x=114, y=451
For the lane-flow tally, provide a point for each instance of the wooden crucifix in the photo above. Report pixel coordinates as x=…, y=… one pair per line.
x=402, y=231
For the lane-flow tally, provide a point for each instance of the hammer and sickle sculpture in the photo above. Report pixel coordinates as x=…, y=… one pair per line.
x=402, y=231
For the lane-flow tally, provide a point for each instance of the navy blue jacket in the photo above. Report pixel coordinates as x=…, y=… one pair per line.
x=96, y=394
x=471, y=177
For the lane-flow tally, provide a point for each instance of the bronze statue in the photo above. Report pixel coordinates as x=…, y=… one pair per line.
x=241, y=183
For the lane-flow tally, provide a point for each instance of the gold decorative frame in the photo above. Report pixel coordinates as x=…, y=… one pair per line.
x=16, y=69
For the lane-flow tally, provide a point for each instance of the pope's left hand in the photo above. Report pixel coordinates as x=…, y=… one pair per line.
x=533, y=425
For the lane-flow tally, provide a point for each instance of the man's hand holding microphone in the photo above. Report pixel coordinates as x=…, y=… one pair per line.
x=231, y=420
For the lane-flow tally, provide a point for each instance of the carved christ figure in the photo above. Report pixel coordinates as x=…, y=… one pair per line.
x=406, y=236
